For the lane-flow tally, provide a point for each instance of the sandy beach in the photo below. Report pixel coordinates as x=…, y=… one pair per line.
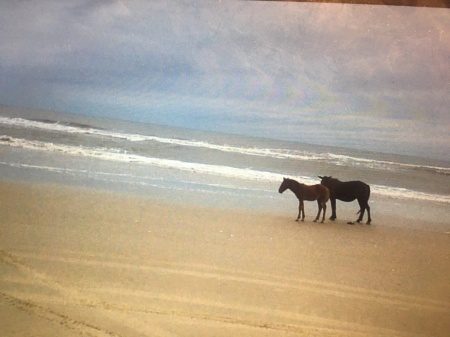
x=84, y=262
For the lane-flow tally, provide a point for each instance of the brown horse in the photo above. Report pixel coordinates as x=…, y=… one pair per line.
x=309, y=193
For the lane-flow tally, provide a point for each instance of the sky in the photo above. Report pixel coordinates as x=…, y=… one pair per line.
x=369, y=77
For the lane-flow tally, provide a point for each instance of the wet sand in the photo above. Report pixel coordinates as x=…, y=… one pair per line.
x=83, y=262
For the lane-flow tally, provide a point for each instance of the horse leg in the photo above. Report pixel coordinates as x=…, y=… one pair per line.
x=333, y=209
x=369, y=220
x=324, y=210
x=362, y=209
x=300, y=202
x=319, y=204
x=303, y=210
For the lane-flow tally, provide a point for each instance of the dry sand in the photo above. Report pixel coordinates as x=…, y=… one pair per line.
x=82, y=262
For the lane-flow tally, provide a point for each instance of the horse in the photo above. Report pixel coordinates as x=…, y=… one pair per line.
x=309, y=193
x=348, y=191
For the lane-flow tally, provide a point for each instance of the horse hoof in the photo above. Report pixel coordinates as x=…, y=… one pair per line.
x=315, y=220
x=350, y=223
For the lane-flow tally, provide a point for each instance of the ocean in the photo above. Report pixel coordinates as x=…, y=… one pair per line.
x=219, y=170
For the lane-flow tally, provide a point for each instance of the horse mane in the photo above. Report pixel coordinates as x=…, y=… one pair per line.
x=294, y=181
x=330, y=178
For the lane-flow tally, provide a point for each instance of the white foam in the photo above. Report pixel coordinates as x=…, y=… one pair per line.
x=117, y=156
x=56, y=127
x=215, y=170
x=403, y=193
x=343, y=160
x=336, y=159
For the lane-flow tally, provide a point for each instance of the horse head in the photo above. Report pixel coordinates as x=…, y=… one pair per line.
x=284, y=185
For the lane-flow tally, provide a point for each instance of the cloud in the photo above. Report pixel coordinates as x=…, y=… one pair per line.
x=335, y=46
x=99, y=11
x=316, y=65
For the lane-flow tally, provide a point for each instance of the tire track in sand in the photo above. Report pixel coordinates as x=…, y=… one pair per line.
x=280, y=320
x=80, y=327
x=263, y=279
x=65, y=294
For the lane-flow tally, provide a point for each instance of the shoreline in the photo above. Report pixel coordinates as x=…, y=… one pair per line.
x=393, y=212
x=79, y=260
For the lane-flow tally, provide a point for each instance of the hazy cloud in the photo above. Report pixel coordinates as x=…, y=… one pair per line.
x=313, y=65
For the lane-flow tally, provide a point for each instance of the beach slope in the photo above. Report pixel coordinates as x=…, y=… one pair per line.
x=84, y=262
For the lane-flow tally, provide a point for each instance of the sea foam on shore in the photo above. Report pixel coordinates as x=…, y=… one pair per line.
x=189, y=163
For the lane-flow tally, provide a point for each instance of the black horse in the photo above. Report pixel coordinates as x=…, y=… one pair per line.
x=306, y=192
x=348, y=191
